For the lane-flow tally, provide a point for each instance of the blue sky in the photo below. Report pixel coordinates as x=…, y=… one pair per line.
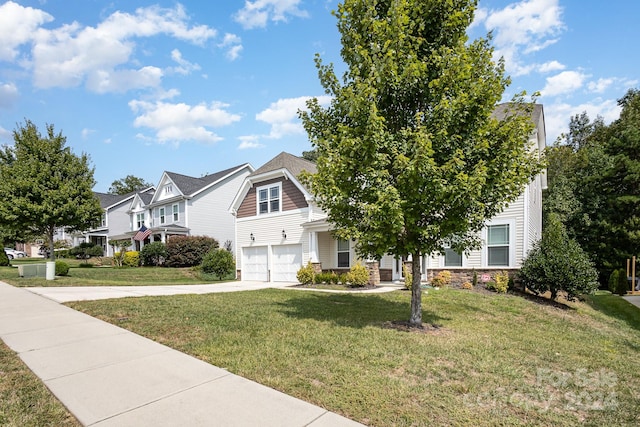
x=195, y=87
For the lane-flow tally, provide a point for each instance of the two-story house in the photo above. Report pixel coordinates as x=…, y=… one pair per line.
x=279, y=228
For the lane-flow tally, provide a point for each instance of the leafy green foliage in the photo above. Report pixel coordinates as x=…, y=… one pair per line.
x=153, y=253
x=409, y=156
x=442, y=279
x=188, y=251
x=43, y=185
x=474, y=281
x=4, y=259
x=408, y=277
x=358, y=276
x=622, y=284
x=62, y=268
x=86, y=250
x=119, y=249
x=219, y=262
x=500, y=282
x=557, y=263
x=306, y=275
x=128, y=184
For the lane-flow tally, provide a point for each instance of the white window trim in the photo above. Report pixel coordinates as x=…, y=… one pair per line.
x=162, y=215
x=349, y=251
x=175, y=213
x=441, y=260
x=104, y=220
x=168, y=189
x=511, y=222
x=268, y=188
x=137, y=220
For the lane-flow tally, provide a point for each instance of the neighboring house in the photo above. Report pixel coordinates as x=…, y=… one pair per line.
x=115, y=222
x=279, y=228
x=187, y=206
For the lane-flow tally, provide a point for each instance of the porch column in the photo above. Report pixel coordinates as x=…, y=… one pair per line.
x=163, y=237
x=313, y=247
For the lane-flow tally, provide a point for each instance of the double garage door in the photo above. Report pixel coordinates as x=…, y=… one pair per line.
x=286, y=260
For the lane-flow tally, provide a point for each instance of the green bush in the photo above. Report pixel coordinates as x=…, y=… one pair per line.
x=188, y=251
x=86, y=250
x=500, y=282
x=153, y=254
x=62, y=268
x=358, y=276
x=306, y=275
x=557, y=263
x=4, y=259
x=408, y=277
x=342, y=279
x=219, y=262
x=474, y=282
x=324, y=278
x=613, y=281
x=622, y=282
x=442, y=279
x=131, y=259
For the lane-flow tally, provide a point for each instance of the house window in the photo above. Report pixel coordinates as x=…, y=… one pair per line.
x=139, y=220
x=343, y=254
x=168, y=189
x=498, y=245
x=452, y=258
x=103, y=220
x=176, y=215
x=269, y=199
x=161, y=215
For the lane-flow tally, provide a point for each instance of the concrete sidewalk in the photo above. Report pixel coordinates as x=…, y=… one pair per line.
x=108, y=376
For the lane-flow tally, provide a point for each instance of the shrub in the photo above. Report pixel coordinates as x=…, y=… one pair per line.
x=442, y=279
x=153, y=254
x=467, y=285
x=306, y=275
x=4, y=259
x=358, y=276
x=188, y=251
x=557, y=263
x=323, y=278
x=408, y=277
x=342, y=279
x=474, y=283
x=622, y=282
x=219, y=262
x=613, y=281
x=86, y=250
x=131, y=259
x=62, y=268
x=500, y=282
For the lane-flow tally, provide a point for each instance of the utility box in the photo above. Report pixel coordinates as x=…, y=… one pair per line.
x=32, y=270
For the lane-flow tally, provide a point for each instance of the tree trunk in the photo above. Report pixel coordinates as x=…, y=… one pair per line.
x=52, y=254
x=416, y=292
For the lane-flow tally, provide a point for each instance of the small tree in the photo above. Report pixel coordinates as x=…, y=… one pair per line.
x=128, y=184
x=119, y=249
x=86, y=250
x=153, y=254
x=219, y=262
x=188, y=251
x=557, y=263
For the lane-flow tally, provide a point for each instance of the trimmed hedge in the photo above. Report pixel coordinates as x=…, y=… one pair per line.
x=188, y=251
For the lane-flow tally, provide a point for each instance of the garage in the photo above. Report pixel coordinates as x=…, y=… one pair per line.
x=255, y=264
x=287, y=260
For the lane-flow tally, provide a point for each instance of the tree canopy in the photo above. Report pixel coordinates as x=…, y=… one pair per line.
x=410, y=157
x=128, y=184
x=43, y=185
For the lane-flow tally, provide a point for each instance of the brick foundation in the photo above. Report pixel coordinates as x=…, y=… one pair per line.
x=374, y=272
x=459, y=276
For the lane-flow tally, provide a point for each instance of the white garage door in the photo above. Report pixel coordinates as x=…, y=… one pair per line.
x=254, y=264
x=287, y=260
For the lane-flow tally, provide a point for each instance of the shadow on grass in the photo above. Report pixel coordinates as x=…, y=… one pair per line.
x=540, y=299
x=616, y=307
x=356, y=311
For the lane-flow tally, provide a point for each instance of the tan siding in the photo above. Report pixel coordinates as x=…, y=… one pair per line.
x=292, y=198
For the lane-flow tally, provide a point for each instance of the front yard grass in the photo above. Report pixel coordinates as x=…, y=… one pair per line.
x=490, y=360
x=112, y=276
x=24, y=399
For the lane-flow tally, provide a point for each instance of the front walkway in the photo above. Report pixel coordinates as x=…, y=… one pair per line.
x=108, y=376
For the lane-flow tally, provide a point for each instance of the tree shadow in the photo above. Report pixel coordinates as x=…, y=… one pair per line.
x=540, y=299
x=355, y=311
x=616, y=307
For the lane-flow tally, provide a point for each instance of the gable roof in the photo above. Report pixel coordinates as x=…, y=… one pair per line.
x=107, y=199
x=294, y=164
x=189, y=185
x=501, y=111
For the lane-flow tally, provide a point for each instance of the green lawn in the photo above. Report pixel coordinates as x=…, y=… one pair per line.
x=111, y=276
x=491, y=360
x=24, y=399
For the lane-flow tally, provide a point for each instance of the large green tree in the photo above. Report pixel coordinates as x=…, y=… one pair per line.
x=128, y=184
x=43, y=185
x=410, y=156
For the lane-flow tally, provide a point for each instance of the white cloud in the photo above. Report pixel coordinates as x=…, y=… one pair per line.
x=102, y=57
x=256, y=14
x=521, y=28
x=178, y=123
x=233, y=44
x=86, y=132
x=600, y=85
x=551, y=66
x=282, y=115
x=557, y=115
x=184, y=67
x=565, y=82
x=249, y=141
x=8, y=95
x=17, y=26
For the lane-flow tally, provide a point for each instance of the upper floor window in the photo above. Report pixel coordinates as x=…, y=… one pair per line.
x=103, y=220
x=343, y=254
x=498, y=242
x=139, y=219
x=269, y=199
x=161, y=215
x=176, y=214
x=168, y=189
